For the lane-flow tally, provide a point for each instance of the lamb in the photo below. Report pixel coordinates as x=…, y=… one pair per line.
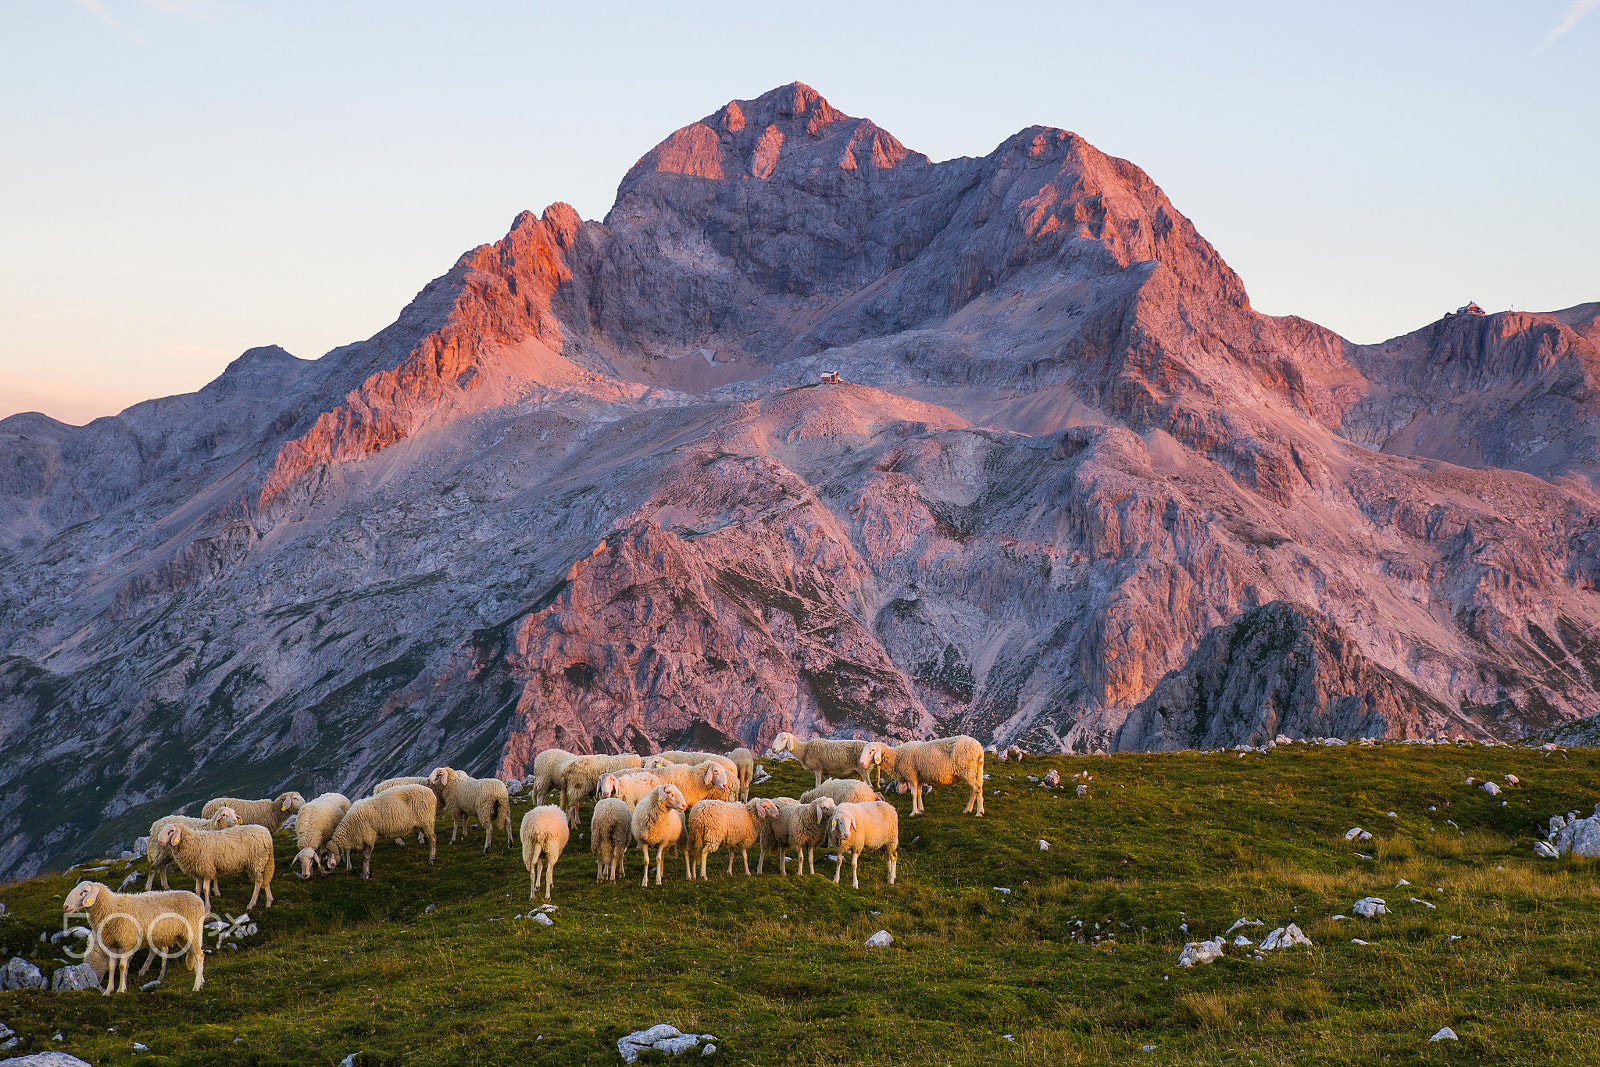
x=842, y=790
x=802, y=827
x=393, y=813
x=709, y=781
x=628, y=788
x=205, y=854
x=579, y=776
x=544, y=834
x=547, y=769
x=766, y=811
x=268, y=813
x=943, y=761
x=160, y=857
x=314, y=824
x=715, y=824
x=745, y=760
x=658, y=820
x=824, y=758
x=466, y=797
x=858, y=828
x=123, y=922
x=610, y=834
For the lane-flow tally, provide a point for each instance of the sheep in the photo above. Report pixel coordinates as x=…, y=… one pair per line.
x=160, y=857
x=715, y=824
x=546, y=769
x=766, y=811
x=205, y=854
x=658, y=820
x=466, y=797
x=698, y=759
x=268, y=813
x=122, y=922
x=628, y=788
x=858, y=828
x=579, y=776
x=392, y=813
x=824, y=758
x=610, y=834
x=842, y=790
x=314, y=824
x=942, y=761
x=802, y=827
x=412, y=779
x=745, y=760
x=710, y=781
x=544, y=834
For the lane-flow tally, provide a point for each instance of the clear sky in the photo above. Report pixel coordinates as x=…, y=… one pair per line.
x=184, y=179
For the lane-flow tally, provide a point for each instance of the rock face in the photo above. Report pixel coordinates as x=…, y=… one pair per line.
x=1073, y=492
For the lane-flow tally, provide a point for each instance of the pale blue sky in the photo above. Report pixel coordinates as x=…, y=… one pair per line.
x=183, y=179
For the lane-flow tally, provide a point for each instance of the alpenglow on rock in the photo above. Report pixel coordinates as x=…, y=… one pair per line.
x=588, y=490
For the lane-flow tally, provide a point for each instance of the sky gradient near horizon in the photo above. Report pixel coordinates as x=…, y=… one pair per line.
x=185, y=179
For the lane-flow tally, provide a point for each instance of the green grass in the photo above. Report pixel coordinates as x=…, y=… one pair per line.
x=777, y=971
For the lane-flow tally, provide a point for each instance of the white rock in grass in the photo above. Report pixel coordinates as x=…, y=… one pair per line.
x=1243, y=941
x=350, y=1060
x=1444, y=1034
x=1284, y=937
x=1358, y=941
x=1370, y=907
x=1512, y=779
x=20, y=974
x=1424, y=903
x=1390, y=815
x=1356, y=833
x=1044, y=846
x=1541, y=848
x=881, y=939
x=1494, y=791
x=1243, y=922
x=1401, y=882
x=543, y=919
x=1200, y=952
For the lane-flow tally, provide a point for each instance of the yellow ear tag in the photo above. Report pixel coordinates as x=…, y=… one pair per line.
x=88, y=901
x=285, y=805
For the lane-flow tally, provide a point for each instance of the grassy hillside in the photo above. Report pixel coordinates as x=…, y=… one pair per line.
x=777, y=971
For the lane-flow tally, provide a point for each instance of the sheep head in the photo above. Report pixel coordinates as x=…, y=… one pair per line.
x=655, y=763
x=291, y=802
x=872, y=755
x=607, y=786
x=82, y=897
x=330, y=856
x=784, y=742
x=305, y=859
x=840, y=827
x=171, y=834
x=224, y=818
x=673, y=798
x=440, y=776
x=715, y=777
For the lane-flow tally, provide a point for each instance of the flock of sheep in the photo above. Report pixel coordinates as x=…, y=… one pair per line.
x=694, y=802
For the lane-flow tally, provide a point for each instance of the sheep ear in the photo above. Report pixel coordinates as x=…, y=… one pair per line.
x=88, y=899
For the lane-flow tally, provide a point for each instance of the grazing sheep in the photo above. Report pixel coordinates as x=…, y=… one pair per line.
x=544, y=834
x=943, y=761
x=716, y=824
x=824, y=758
x=658, y=820
x=766, y=810
x=392, y=813
x=314, y=824
x=124, y=922
x=802, y=827
x=842, y=790
x=160, y=857
x=580, y=775
x=709, y=781
x=858, y=828
x=547, y=770
x=610, y=834
x=745, y=760
x=268, y=813
x=629, y=788
x=466, y=797
x=205, y=854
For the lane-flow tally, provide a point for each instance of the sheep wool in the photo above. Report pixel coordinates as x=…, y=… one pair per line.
x=544, y=834
x=716, y=824
x=160, y=857
x=709, y=781
x=745, y=760
x=124, y=922
x=610, y=834
x=268, y=813
x=942, y=761
x=392, y=813
x=314, y=824
x=629, y=788
x=206, y=854
x=547, y=769
x=466, y=797
x=823, y=757
x=410, y=779
x=766, y=810
x=802, y=827
x=580, y=776
x=857, y=828
x=697, y=759
x=842, y=790
x=658, y=820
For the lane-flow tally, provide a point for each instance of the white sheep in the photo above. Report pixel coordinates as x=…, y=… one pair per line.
x=466, y=797
x=547, y=769
x=392, y=813
x=579, y=776
x=745, y=760
x=410, y=779
x=858, y=828
x=658, y=820
x=314, y=825
x=205, y=854
x=766, y=811
x=802, y=827
x=696, y=759
x=628, y=788
x=823, y=757
x=716, y=824
x=160, y=857
x=842, y=790
x=124, y=922
x=268, y=813
x=610, y=835
x=942, y=761
x=708, y=781
x=544, y=834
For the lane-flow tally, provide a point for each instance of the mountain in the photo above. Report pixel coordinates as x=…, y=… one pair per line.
x=1073, y=491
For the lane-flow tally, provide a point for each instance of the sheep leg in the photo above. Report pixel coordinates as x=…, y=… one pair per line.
x=646, y=849
x=893, y=862
x=533, y=871
x=549, y=873
x=838, y=867
x=730, y=862
x=811, y=855
x=150, y=881
x=433, y=843
x=977, y=791
x=253, y=895
x=661, y=859
x=855, y=869
x=366, y=865
x=744, y=852
x=783, y=863
x=488, y=836
x=197, y=963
